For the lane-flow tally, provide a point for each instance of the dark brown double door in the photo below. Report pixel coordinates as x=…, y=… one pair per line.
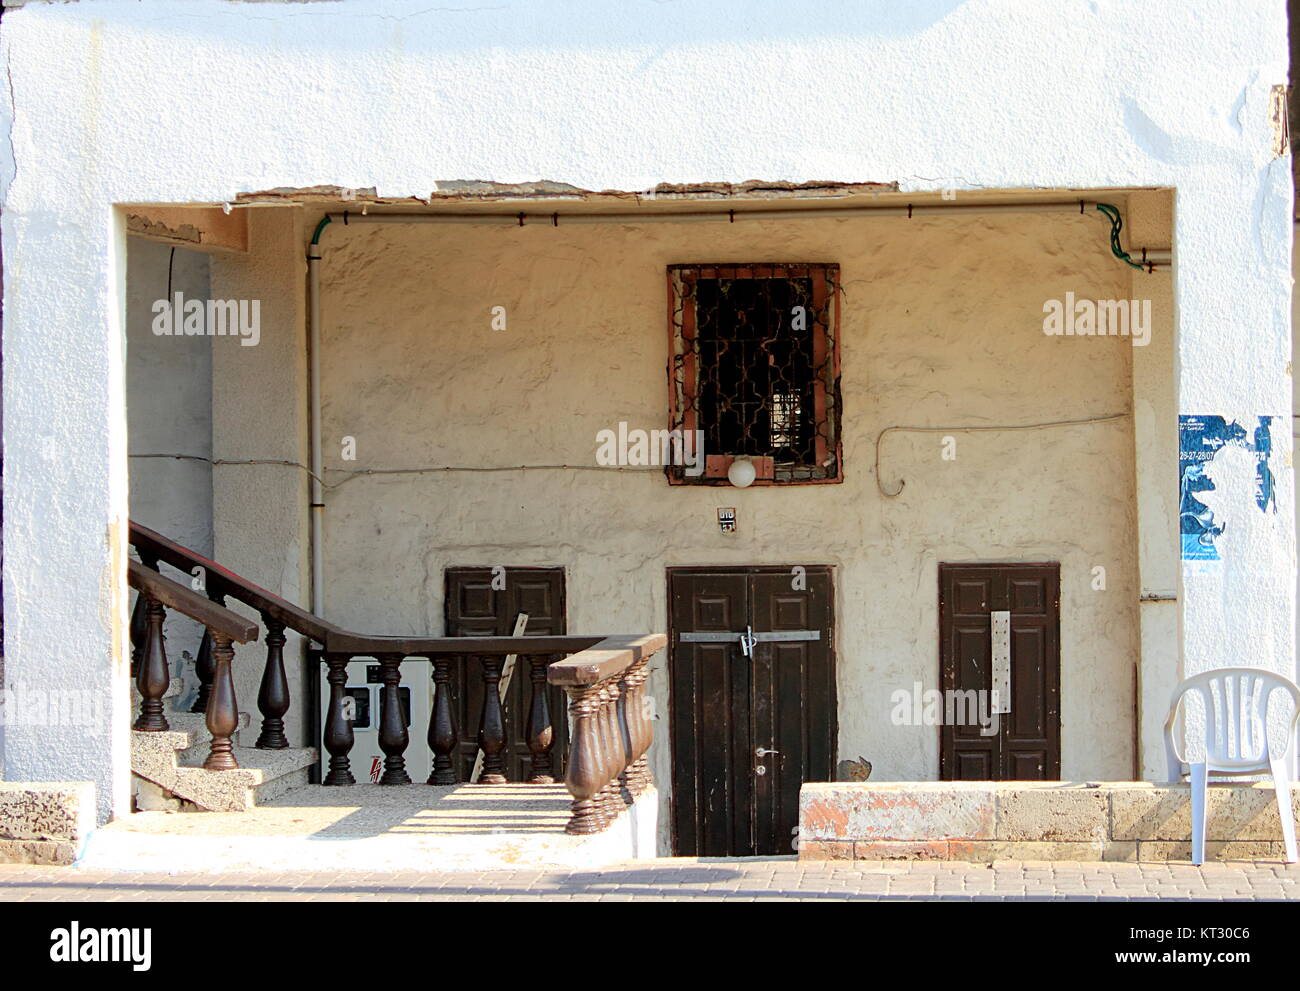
x=1027, y=743
x=479, y=602
x=748, y=726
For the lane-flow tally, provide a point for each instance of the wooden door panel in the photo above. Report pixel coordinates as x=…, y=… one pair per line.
x=971, y=597
x=1027, y=765
x=800, y=710
x=974, y=765
x=726, y=705
x=707, y=733
x=1026, y=745
x=1028, y=717
x=474, y=608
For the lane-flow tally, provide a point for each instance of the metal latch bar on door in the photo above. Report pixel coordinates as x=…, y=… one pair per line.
x=1000, y=654
x=749, y=638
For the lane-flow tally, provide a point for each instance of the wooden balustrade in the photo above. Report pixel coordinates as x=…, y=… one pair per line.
x=486, y=657
x=606, y=767
x=612, y=728
x=220, y=583
x=153, y=674
x=604, y=677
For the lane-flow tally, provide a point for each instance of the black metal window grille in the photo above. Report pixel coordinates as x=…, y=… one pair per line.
x=755, y=366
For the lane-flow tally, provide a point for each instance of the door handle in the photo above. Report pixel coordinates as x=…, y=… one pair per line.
x=761, y=752
x=747, y=642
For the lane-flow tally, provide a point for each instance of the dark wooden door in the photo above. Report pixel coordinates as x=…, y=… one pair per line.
x=730, y=800
x=1027, y=744
x=475, y=608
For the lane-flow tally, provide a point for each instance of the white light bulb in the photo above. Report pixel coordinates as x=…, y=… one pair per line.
x=741, y=474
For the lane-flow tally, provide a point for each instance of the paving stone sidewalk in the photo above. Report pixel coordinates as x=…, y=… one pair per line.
x=778, y=879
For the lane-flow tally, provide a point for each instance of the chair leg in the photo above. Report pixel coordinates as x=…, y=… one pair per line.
x=1282, y=785
x=1200, y=778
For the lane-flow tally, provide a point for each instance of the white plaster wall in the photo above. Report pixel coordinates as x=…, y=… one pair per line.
x=163, y=101
x=169, y=411
x=1295, y=340
x=942, y=325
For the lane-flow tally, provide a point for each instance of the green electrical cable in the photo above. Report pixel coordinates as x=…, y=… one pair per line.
x=1116, y=225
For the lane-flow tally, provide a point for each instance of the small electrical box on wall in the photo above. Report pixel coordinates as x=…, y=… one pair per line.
x=727, y=519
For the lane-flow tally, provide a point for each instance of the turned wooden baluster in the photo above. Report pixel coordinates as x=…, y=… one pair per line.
x=338, y=728
x=491, y=729
x=600, y=720
x=203, y=671
x=393, y=736
x=139, y=627
x=640, y=714
x=444, y=737
x=273, y=696
x=541, y=734
x=203, y=663
x=632, y=706
x=612, y=796
x=152, y=675
x=624, y=737
x=223, y=710
x=584, y=776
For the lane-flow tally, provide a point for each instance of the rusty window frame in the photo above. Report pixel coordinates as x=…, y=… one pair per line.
x=686, y=371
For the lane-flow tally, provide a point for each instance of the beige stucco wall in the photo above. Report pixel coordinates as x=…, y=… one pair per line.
x=260, y=414
x=169, y=411
x=942, y=324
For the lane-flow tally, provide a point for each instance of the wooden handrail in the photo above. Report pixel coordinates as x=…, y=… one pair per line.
x=197, y=607
x=368, y=645
x=608, y=658
x=222, y=581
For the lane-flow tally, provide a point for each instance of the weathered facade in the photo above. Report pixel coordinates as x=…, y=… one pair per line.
x=468, y=368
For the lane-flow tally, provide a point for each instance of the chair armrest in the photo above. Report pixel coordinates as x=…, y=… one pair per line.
x=1173, y=762
x=1173, y=759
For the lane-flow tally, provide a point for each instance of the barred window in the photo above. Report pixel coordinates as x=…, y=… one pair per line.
x=755, y=368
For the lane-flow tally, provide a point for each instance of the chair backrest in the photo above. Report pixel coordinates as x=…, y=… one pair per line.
x=1235, y=708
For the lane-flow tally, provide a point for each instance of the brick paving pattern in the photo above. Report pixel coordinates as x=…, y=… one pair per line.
x=670, y=880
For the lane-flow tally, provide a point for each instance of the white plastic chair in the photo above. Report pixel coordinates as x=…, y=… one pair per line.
x=1236, y=709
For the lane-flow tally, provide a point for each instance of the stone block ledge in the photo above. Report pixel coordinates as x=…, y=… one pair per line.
x=45, y=823
x=983, y=821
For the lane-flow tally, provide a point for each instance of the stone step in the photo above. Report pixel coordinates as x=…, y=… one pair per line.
x=173, y=761
x=262, y=776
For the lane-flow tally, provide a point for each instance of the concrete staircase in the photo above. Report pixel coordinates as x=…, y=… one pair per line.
x=168, y=774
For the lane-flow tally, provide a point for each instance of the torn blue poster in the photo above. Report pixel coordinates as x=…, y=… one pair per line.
x=1200, y=438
